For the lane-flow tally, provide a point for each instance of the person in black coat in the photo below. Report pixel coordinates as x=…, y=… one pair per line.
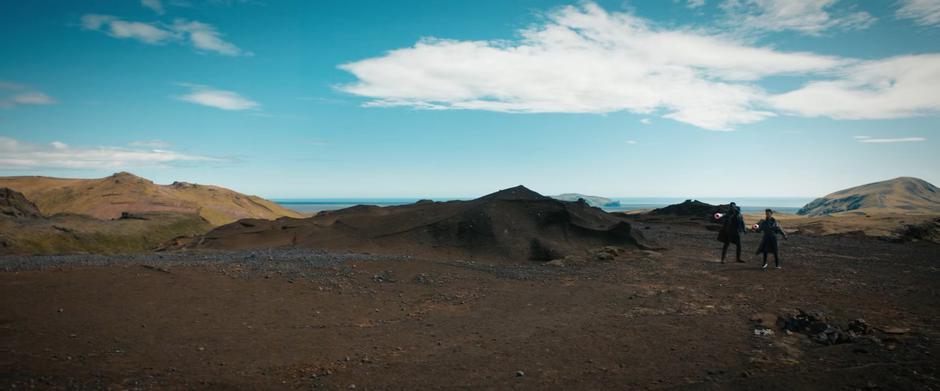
x=768, y=242
x=731, y=232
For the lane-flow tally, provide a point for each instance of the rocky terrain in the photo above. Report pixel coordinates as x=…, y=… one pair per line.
x=107, y=198
x=845, y=312
x=455, y=294
x=904, y=195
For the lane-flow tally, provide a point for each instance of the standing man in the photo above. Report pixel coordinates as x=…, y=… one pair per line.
x=731, y=232
x=768, y=243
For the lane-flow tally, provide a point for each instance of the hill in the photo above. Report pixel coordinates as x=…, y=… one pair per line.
x=107, y=198
x=595, y=201
x=23, y=230
x=512, y=224
x=904, y=195
x=690, y=208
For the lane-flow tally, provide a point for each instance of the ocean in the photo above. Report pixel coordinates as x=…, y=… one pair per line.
x=747, y=204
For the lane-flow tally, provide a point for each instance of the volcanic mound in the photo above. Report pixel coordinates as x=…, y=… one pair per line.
x=512, y=224
x=690, y=208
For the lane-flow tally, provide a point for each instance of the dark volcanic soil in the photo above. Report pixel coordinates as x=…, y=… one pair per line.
x=515, y=224
x=294, y=319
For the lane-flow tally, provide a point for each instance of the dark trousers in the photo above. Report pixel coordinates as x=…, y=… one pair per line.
x=737, y=249
x=776, y=258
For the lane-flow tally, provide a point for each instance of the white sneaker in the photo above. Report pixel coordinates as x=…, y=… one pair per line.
x=764, y=266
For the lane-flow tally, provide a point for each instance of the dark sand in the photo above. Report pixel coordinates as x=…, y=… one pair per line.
x=303, y=320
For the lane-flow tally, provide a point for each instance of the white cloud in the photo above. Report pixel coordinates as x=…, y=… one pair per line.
x=631, y=142
x=19, y=94
x=805, y=16
x=201, y=36
x=586, y=60
x=154, y=5
x=646, y=121
x=15, y=154
x=7, y=85
x=220, y=99
x=150, y=143
x=33, y=98
x=923, y=12
x=896, y=87
x=695, y=3
x=206, y=37
x=866, y=139
x=117, y=28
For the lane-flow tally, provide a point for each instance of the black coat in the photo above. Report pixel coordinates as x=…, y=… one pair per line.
x=768, y=242
x=731, y=231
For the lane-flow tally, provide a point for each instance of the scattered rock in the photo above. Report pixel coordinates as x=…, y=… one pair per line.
x=895, y=330
x=556, y=262
x=384, y=276
x=760, y=332
x=423, y=279
x=821, y=329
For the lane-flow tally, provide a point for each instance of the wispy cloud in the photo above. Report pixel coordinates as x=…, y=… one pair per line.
x=586, y=60
x=15, y=154
x=805, y=16
x=867, y=139
x=220, y=99
x=154, y=5
x=150, y=144
x=15, y=94
x=646, y=121
x=205, y=37
x=922, y=12
x=117, y=28
x=695, y=3
x=201, y=36
x=631, y=142
x=896, y=87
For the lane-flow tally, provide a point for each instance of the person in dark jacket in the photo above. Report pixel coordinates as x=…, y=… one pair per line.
x=768, y=242
x=731, y=232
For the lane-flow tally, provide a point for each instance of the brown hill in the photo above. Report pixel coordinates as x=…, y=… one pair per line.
x=904, y=195
x=108, y=198
x=23, y=230
x=512, y=224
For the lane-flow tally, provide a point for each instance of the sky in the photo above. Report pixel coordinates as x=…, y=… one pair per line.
x=369, y=99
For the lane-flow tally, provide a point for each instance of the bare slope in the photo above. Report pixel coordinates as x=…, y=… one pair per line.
x=23, y=230
x=107, y=198
x=904, y=195
x=516, y=224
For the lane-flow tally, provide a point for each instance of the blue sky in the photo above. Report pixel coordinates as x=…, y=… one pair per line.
x=314, y=99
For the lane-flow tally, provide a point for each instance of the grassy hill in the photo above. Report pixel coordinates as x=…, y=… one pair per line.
x=24, y=230
x=904, y=195
x=107, y=198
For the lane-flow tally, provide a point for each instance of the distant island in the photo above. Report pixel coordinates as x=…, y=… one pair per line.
x=595, y=201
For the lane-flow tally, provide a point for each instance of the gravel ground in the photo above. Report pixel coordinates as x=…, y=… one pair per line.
x=278, y=259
